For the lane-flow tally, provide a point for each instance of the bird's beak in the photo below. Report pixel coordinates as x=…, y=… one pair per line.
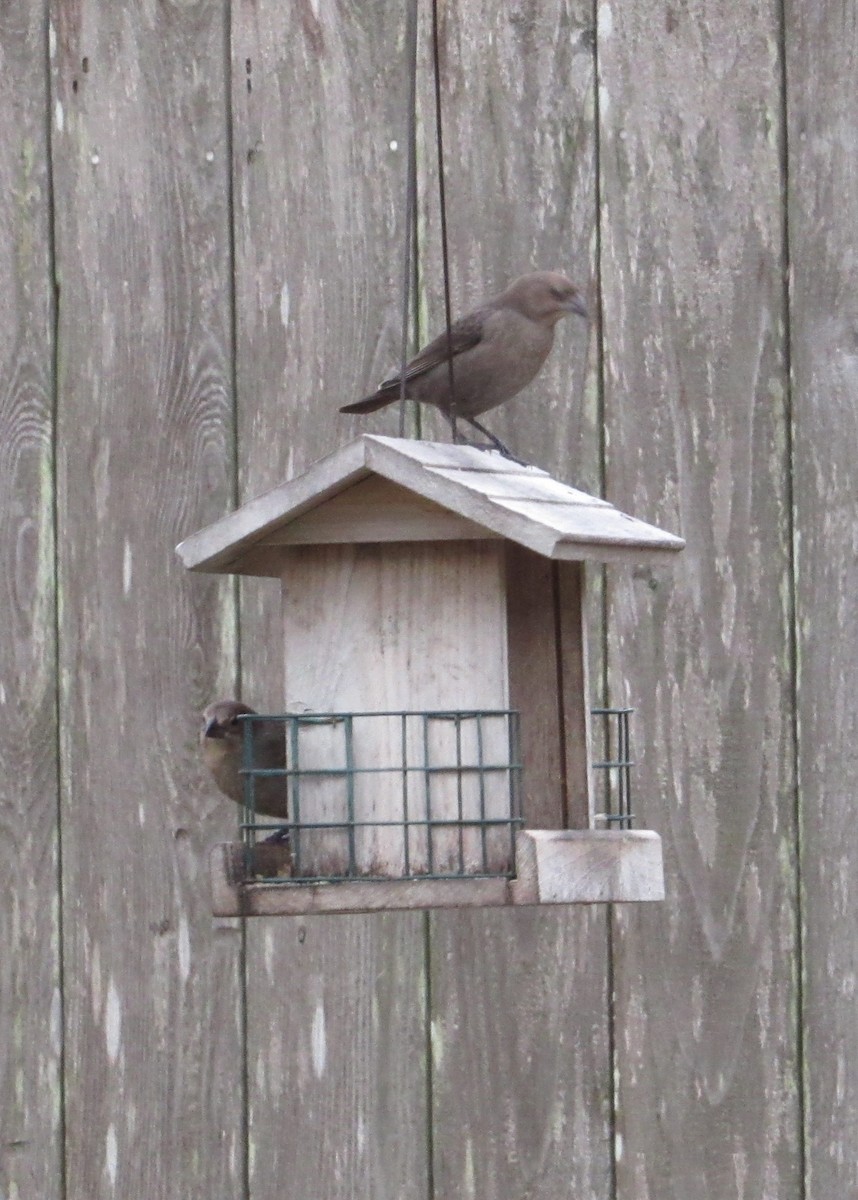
x=212, y=729
x=577, y=305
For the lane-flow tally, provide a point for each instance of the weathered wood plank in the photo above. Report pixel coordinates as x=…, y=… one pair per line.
x=822, y=61
x=153, y=1031
x=573, y=605
x=520, y=197
x=234, y=896
x=335, y=1110
x=534, y=685
x=336, y=1015
x=30, y=1045
x=375, y=510
x=587, y=866
x=521, y=1083
x=524, y=505
x=695, y=383
x=519, y=1000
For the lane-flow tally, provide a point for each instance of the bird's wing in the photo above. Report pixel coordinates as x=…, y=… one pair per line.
x=464, y=335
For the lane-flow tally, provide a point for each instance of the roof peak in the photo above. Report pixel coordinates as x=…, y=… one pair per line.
x=521, y=503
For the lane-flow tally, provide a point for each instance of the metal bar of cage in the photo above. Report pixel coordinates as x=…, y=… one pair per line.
x=350, y=791
x=619, y=815
x=249, y=796
x=428, y=790
x=406, y=840
x=482, y=786
x=459, y=795
x=438, y=822
x=295, y=799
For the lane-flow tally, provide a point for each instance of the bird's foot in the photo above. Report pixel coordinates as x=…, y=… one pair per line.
x=501, y=449
x=494, y=442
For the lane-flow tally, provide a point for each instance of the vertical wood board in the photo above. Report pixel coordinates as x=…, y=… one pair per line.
x=153, y=1031
x=519, y=1011
x=573, y=616
x=317, y=101
x=30, y=1044
x=533, y=685
x=822, y=59
x=696, y=422
x=521, y=1085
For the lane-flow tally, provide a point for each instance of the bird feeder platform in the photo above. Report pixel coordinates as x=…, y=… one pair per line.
x=441, y=584
x=569, y=866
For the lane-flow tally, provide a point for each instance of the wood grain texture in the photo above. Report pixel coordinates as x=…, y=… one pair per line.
x=317, y=103
x=822, y=60
x=588, y=866
x=574, y=607
x=549, y=687
x=696, y=422
x=317, y=100
x=521, y=1084
x=375, y=510
x=381, y=629
x=154, y=1056
x=30, y=1044
x=519, y=1012
x=335, y=1112
x=534, y=685
x=517, y=110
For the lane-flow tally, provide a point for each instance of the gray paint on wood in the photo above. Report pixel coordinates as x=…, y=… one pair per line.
x=30, y=1013
x=822, y=60
x=521, y=1085
x=520, y=1018
x=694, y=336
x=153, y=1043
x=317, y=100
x=336, y=1014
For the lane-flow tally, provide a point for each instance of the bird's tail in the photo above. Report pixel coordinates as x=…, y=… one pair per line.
x=384, y=396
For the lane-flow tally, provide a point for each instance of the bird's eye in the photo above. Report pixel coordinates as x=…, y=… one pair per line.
x=558, y=293
x=234, y=723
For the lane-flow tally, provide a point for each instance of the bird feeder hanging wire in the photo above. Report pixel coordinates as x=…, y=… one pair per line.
x=409, y=268
x=442, y=205
x=409, y=258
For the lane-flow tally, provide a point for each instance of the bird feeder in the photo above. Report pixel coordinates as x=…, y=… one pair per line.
x=436, y=723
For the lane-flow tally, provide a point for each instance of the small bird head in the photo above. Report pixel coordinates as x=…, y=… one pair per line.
x=220, y=721
x=545, y=296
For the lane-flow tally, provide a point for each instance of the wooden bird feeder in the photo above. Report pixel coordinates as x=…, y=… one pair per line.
x=437, y=720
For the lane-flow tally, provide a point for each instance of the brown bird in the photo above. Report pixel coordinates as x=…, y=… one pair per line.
x=222, y=741
x=496, y=351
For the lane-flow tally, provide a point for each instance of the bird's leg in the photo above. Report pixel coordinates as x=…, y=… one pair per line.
x=496, y=442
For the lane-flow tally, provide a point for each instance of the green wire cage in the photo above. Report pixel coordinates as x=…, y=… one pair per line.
x=401, y=794
x=387, y=795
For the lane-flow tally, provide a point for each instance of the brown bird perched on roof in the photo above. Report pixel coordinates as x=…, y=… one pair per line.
x=222, y=740
x=496, y=351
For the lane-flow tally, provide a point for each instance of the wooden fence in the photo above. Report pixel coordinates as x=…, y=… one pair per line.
x=201, y=207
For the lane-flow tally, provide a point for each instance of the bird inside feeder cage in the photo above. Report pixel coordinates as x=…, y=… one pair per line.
x=436, y=741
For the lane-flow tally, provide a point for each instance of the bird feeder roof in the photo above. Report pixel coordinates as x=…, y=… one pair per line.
x=379, y=489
